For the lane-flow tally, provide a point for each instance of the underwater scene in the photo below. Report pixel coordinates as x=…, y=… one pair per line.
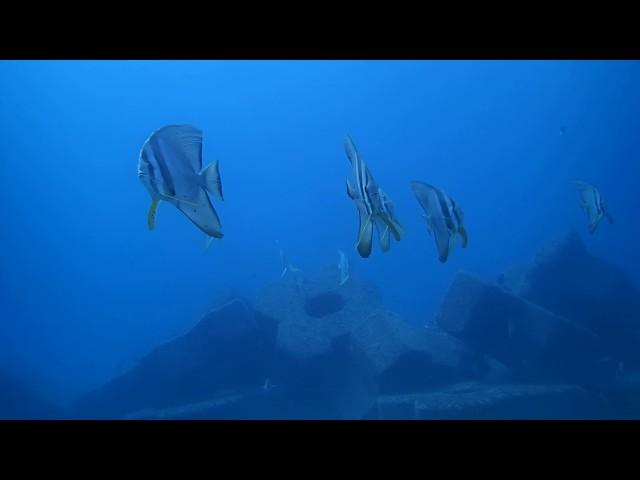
x=318, y=239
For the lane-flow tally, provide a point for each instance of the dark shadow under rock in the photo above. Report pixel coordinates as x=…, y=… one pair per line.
x=566, y=279
x=324, y=304
x=18, y=401
x=251, y=405
x=536, y=344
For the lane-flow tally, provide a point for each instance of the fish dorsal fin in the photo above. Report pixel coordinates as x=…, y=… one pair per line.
x=350, y=148
x=582, y=185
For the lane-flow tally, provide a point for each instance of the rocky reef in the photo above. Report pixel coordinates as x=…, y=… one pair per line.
x=19, y=401
x=554, y=339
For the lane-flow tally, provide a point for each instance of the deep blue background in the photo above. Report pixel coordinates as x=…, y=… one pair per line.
x=85, y=286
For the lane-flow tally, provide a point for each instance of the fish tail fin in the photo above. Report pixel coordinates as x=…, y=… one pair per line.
x=212, y=181
x=151, y=216
x=463, y=234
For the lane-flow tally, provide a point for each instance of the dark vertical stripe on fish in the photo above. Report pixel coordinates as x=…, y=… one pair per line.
x=444, y=209
x=153, y=180
x=455, y=212
x=596, y=196
x=362, y=180
x=162, y=164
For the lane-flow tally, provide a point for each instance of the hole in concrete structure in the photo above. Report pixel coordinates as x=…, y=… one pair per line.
x=323, y=305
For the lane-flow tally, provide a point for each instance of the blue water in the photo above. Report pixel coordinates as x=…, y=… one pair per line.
x=87, y=289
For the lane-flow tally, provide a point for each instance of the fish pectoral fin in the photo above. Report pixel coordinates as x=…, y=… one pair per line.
x=151, y=216
x=609, y=218
x=463, y=234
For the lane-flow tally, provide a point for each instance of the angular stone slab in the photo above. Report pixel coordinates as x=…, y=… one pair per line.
x=232, y=347
x=567, y=280
x=471, y=401
x=313, y=313
x=536, y=343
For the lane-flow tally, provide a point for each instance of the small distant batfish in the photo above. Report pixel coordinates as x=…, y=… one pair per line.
x=287, y=267
x=368, y=197
x=444, y=217
x=593, y=204
x=343, y=266
x=170, y=167
x=268, y=385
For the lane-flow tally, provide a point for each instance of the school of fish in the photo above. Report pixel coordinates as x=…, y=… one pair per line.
x=170, y=167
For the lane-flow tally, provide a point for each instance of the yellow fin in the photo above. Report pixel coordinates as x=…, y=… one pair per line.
x=151, y=216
